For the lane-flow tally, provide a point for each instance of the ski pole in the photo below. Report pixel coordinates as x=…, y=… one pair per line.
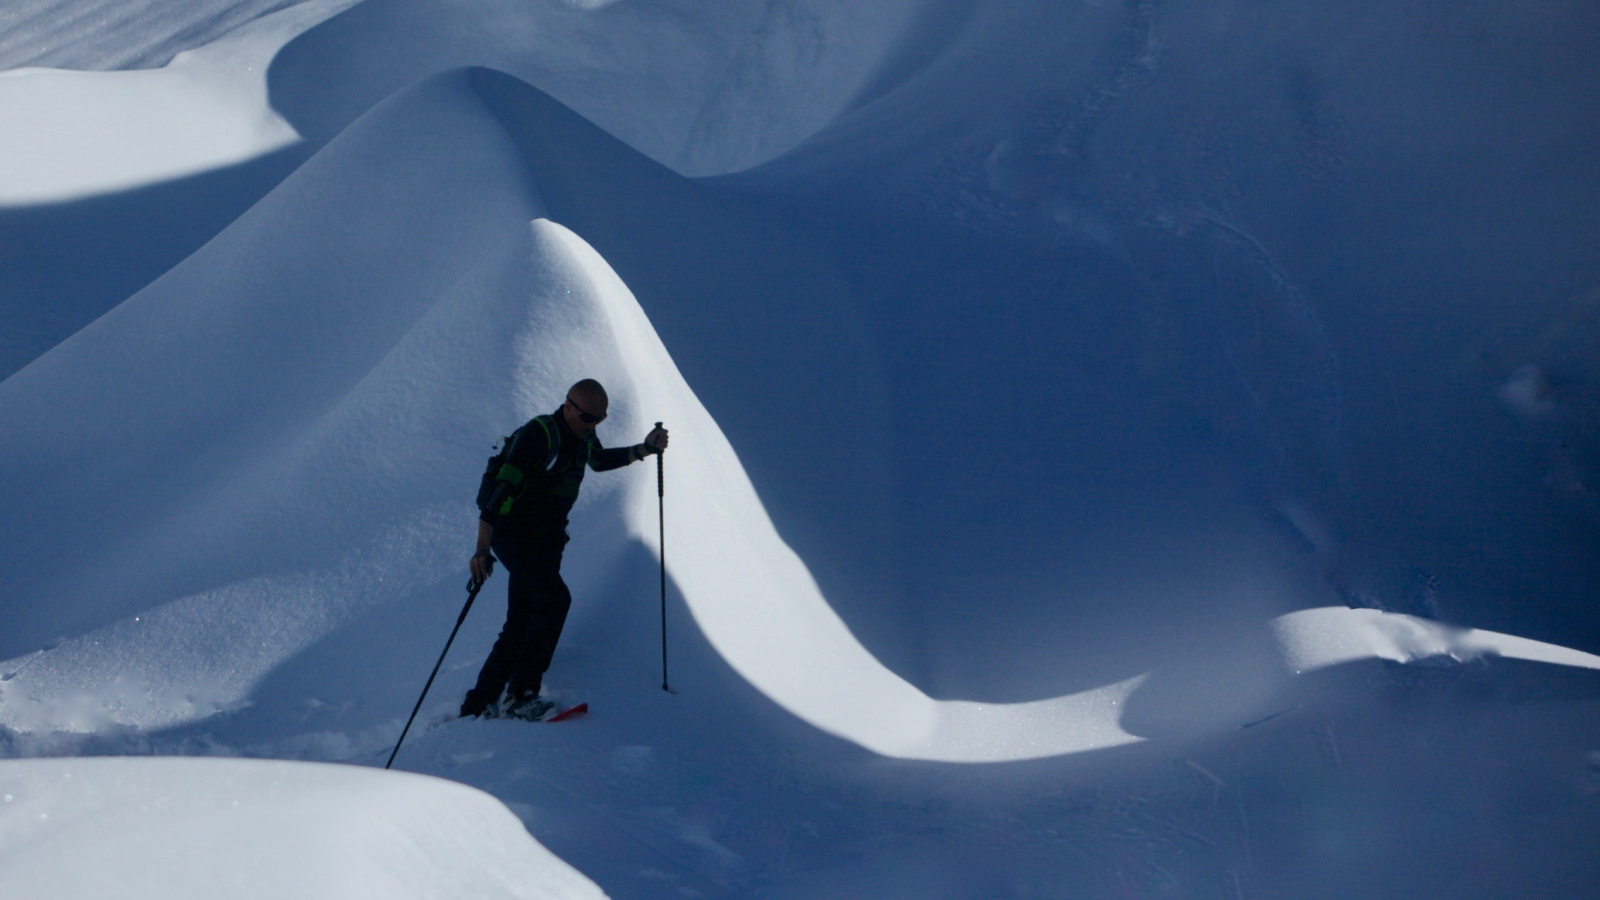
x=472, y=594
x=661, y=509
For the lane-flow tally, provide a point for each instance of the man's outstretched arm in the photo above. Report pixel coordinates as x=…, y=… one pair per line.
x=603, y=460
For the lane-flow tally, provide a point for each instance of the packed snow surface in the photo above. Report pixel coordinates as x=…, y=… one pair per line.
x=168, y=829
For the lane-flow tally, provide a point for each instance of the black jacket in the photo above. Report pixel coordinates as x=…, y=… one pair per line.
x=533, y=496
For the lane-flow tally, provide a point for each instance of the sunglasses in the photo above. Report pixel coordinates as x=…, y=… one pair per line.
x=584, y=417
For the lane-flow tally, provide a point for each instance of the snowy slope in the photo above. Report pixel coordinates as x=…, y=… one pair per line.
x=298, y=506
x=1008, y=427
x=702, y=87
x=164, y=829
x=346, y=319
x=249, y=560
x=118, y=34
x=158, y=160
x=77, y=134
x=680, y=80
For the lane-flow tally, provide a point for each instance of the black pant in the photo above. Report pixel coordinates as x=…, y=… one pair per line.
x=537, y=601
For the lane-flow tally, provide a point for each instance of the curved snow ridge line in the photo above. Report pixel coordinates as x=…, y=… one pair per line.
x=1314, y=639
x=245, y=386
x=108, y=35
x=760, y=608
x=72, y=134
x=750, y=593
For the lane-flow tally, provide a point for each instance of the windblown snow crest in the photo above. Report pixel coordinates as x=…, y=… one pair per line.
x=319, y=386
x=249, y=431
x=272, y=444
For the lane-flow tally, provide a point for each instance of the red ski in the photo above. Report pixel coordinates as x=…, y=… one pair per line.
x=569, y=712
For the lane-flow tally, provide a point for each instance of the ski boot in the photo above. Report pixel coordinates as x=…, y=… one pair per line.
x=533, y=709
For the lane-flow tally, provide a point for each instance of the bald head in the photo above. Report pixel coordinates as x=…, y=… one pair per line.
x=589, y=391
x=585, y=400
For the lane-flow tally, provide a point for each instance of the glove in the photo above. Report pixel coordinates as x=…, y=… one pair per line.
x=656, y=440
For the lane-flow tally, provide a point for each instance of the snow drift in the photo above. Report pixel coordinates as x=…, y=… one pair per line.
x=292, y=510
x=1082, y=352
x=326, y=368
x=71, y=134
x=164, y=829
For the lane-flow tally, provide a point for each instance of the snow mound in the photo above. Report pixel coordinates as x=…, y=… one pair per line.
x=74, y=134
x=1318, y=638
x=118, y=34
x=167, y=829
x=299, y=410
x=701, y=87
x=296, y=370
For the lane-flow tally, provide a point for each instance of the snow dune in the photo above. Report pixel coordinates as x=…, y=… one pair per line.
x=701, y=87
x=1314, y=639
x=235, y=505
x=397, y=376
x=118, y=34
x=297, y=411
x=168, y=829
x=72, y=134
x=268, y=441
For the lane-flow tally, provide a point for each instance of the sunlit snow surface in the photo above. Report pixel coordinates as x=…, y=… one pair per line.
x=760, y=607
x=72, y=134
x=167, y=829
x=750, y=593
x=210, y=558
x=1317, y=638
x=753, y=597
x=355, y=317
x=102, y=35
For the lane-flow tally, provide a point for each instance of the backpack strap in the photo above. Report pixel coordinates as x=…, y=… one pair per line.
x=552, y=440
x=514, y=477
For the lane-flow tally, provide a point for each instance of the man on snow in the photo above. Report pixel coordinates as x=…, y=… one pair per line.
x=523, y=523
